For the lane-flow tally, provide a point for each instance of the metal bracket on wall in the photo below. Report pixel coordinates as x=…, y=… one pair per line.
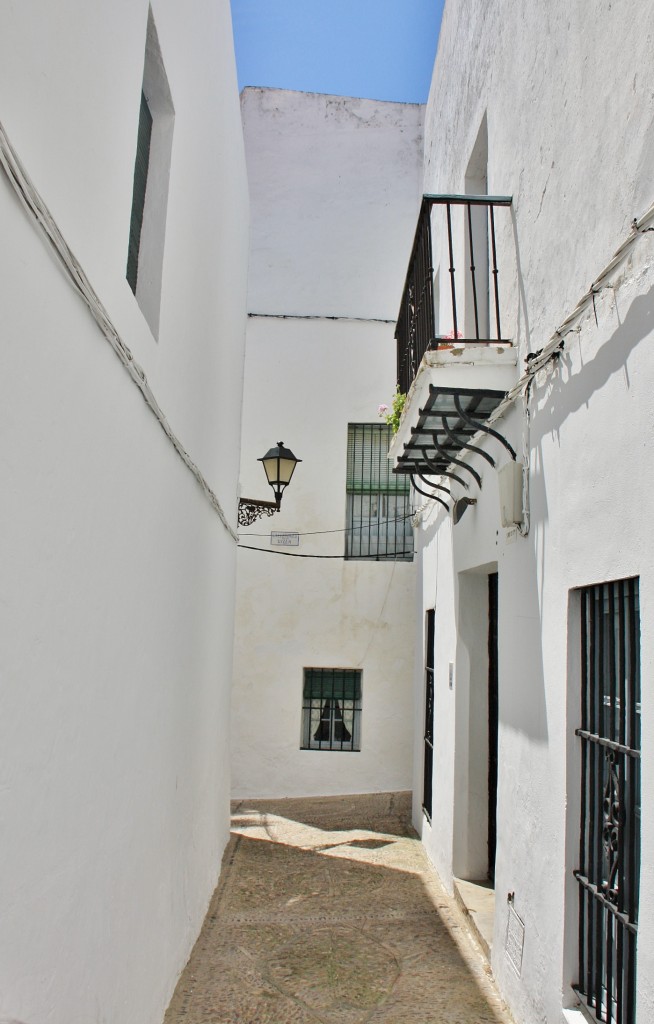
x=249, y=510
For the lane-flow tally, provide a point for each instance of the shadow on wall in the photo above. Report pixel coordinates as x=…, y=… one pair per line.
x=567, y=397
x=526, y=711
x=522, y=703
x=522, y=682
x=430, y=531
x=522, y=320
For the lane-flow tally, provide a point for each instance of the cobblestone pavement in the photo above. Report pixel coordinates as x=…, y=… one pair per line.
x=327, y=912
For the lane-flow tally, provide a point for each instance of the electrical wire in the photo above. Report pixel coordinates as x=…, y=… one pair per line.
x=292, y=554
x=344, y=529
x=524, y=526
x=36, y=208
x=537, y=360
x=318, y=316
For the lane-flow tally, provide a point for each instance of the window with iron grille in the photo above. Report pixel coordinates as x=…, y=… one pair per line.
x=609, y=866
x=331, y=709
x=378, y=501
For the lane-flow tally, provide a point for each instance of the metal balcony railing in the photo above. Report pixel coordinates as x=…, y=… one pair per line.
x=422, y=309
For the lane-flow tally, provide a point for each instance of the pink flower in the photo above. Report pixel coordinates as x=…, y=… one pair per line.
x=383, y=409
x=450, y=336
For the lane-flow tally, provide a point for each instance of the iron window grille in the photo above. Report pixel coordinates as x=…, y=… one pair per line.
x=609, y=868
x=331, y=709
x=378, y=512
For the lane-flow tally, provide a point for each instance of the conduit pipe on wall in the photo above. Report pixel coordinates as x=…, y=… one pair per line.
x=37, y=210
x=538, y=360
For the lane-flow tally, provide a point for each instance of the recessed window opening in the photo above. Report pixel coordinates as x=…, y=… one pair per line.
x=378, y=501
x=331, y=709
x=151, y=180
x=138, y=197
x=477, y=321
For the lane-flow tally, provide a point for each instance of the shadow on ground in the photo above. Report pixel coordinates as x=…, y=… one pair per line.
x=327, y=911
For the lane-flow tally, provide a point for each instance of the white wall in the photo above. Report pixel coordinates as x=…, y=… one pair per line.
x=117, y=581
x=569, y=138
x=569, y=114
x=334, y=186
x=590, y=516
x=300, y=612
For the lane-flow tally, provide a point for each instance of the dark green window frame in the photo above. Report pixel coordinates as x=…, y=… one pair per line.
x=378, y=523
x=141, y=168
x=331, y=709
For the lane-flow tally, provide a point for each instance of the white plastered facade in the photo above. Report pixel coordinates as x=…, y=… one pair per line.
x=334, y=188
x=117, y=583
x=566, y=104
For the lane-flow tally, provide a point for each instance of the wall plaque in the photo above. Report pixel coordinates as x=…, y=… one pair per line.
x=284, y=540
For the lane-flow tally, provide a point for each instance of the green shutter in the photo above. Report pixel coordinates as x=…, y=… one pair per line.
x=378, y=506
x=138, y=195
x=332, y=684
x=369, y=470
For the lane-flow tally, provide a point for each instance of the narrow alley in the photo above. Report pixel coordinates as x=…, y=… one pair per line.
x=327, y=910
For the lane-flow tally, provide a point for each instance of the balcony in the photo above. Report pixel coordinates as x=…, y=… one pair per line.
x=437, y=314
x=454, y=363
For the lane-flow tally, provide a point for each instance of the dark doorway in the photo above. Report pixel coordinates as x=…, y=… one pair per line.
x=429, y=713
x=492, y=723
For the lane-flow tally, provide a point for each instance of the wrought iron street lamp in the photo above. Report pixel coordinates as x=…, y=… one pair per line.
x=279, y=465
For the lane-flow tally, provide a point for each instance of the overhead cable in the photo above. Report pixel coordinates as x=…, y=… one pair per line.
x=342, y=529
x=537, y=360
x=293, y=554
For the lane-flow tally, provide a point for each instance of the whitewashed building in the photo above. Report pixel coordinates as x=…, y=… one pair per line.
x=119, y=514
x=324, y=643
x=504, y=672
x=534, y=645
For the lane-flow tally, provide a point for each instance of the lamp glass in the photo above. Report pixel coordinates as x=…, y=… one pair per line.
x=286, y=469
x=279, y=464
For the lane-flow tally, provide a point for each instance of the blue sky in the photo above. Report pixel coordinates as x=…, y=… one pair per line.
x=379, y=49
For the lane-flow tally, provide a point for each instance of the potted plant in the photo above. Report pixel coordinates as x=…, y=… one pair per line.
x=393, y=415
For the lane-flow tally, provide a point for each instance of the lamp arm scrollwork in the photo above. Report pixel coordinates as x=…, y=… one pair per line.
x=249, y=510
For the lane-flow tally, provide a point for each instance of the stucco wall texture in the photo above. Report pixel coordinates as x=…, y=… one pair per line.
x=569, y=113
x=117, y=577
x=302, y=612
x=335, y=188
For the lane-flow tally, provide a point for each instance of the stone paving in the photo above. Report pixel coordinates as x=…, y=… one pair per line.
x=327, y=912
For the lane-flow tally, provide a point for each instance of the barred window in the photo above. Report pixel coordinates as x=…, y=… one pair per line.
x=331, y=709
x=609, y=867
x=378, y=501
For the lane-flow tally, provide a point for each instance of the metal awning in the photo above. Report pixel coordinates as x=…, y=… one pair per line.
x=450, y=419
